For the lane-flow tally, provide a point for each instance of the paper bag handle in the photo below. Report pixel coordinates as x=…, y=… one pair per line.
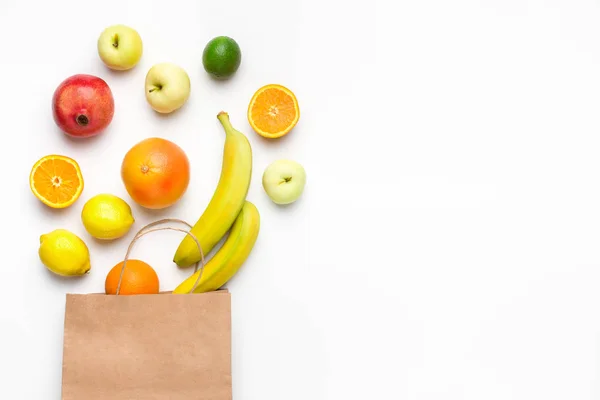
x=145, y=230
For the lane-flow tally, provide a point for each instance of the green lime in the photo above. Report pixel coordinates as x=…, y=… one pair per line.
x=221, y=57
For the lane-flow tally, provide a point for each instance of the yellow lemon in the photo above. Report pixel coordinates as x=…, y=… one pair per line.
x=64, y=253
x=107, y=217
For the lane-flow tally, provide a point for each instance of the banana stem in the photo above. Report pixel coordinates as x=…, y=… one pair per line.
x=224, y=119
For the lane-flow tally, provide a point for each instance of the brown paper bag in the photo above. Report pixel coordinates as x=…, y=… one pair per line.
x=146, y=347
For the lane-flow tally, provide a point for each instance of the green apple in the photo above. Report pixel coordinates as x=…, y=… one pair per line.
x=167, y=87
x=120, y=47
x=284, y=181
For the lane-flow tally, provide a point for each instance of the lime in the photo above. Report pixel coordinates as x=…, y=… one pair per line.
x=221, y=57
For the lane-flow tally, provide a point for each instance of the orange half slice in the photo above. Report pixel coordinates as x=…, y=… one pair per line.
x=273, y=111
x=56, y=181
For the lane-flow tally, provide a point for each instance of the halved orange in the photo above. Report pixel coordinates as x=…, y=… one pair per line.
x=56, y=181
x=273, y=111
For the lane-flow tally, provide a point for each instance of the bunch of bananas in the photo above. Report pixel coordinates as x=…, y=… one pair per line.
x=228, y=210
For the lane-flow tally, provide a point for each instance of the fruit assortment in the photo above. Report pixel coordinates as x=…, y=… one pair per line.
x=156, y=172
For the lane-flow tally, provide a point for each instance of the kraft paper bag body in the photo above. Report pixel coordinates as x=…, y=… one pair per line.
x=147, y=347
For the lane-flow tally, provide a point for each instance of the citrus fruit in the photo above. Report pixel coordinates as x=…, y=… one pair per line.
x=64, y=253
x=221, y=57
x=273, y=111
x=138, y=278
x=156, y=173
x=56, y=181
x=107, y=217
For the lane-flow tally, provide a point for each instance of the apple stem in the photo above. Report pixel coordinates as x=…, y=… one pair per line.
x=157, y=87
x=82, y=120
x=224, y=119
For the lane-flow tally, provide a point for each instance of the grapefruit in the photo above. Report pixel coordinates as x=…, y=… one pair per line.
x=156, y=173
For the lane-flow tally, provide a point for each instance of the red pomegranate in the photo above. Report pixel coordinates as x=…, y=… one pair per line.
x=83, y=105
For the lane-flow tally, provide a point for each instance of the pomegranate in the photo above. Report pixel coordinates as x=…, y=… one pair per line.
x=83, y=105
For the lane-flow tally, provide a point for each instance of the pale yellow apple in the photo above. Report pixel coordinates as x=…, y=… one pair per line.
x=284, y=181
x=167, y=87
x=120, y=47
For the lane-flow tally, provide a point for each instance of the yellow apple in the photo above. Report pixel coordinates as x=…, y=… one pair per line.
x=120, y=47
x=283, y=181
x=167, y=87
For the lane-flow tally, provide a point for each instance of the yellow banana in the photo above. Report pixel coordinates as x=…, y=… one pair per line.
x=229, y=258
x=227, y=201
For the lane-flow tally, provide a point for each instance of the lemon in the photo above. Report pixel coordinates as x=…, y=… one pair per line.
x=107, y=217
x=64, y=253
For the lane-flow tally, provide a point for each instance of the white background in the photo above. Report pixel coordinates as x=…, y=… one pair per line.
x=446, y=246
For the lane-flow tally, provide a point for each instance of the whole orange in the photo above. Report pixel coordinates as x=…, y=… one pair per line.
x=138, y=278
x=156, y=173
